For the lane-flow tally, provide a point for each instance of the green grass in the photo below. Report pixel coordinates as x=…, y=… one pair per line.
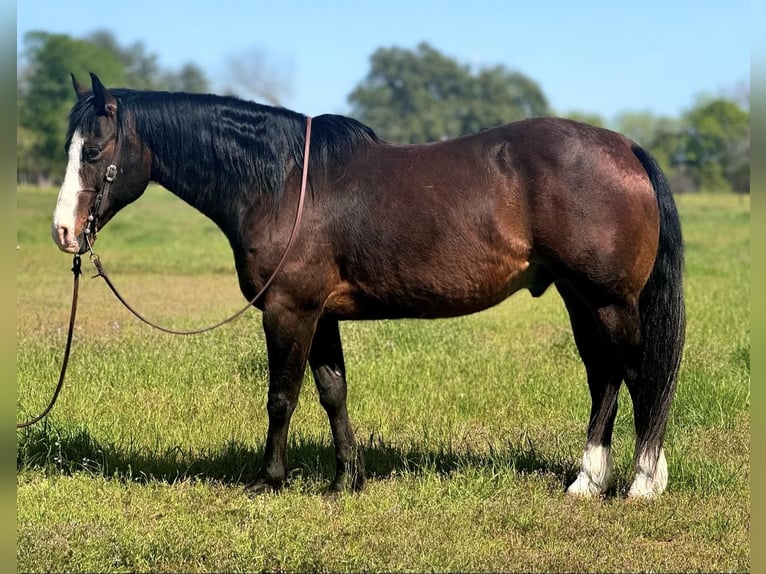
x=472, y=427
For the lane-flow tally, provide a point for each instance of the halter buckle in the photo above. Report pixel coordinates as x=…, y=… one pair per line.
x=111, y=173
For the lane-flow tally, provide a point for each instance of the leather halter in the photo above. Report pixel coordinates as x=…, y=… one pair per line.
x=110, y=175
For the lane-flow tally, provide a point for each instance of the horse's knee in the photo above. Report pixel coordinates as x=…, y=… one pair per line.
x=280, y=405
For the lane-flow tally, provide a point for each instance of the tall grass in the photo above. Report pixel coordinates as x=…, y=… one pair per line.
x=471, y=427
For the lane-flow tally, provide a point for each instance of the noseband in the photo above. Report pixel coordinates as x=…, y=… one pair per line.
x=110, y=175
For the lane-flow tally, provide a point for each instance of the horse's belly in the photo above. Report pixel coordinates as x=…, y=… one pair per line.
x=430, y=296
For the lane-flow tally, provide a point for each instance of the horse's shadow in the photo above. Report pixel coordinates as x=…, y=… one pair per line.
x=234, y=463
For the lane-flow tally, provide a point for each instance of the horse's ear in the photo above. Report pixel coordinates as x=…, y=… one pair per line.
x=79, y=89
x=105, y=102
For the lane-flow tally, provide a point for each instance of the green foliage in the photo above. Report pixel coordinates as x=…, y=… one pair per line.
x=471, y=426
x=407, y=96
x=417, y=96
x=45, y=93
x=140, y=68
x=716, y=146
x=190, y=78
x=645, y=128
x=420, y=95
x=706, y=149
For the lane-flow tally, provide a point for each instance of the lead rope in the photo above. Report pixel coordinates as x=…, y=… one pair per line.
x=301, y=200
x=77, y=271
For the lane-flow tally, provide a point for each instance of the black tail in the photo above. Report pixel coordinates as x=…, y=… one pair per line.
x=661, y=306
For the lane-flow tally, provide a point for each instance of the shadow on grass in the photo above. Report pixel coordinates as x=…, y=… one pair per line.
x=66, y=452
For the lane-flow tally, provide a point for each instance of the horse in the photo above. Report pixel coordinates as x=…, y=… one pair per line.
x=394, y=231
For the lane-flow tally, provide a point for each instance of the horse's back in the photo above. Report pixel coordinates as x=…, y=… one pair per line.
x=454, y=227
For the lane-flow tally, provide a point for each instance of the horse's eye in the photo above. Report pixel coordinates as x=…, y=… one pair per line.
x=91, y=154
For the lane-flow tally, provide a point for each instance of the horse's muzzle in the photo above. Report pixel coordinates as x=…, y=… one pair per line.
x=66, y=240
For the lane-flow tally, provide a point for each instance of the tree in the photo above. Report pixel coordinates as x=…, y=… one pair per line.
x=422, y=95
x=253, y=76
x=716, y=145
x=140, y=68
x=46, y=95
x=706, y=149
x=501, y=96
x=660, y=136
x=190, y=78
x=645, y=128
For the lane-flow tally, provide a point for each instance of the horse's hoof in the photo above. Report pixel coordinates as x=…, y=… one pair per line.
x=259, y=488
x=332, y=493
x=344, y=483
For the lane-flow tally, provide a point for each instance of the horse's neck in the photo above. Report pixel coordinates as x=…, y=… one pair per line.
x=216, y=172
x=206, y=198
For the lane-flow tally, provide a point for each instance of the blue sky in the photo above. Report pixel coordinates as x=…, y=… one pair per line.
x=595, y=56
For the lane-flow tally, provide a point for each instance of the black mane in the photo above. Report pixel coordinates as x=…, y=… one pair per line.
x=206, y=144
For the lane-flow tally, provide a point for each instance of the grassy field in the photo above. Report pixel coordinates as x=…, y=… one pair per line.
x=472, y=427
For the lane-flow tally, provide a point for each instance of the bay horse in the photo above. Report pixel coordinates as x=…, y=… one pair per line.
x=408, y=231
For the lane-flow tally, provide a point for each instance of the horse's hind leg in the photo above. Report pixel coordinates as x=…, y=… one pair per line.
x=651, y=476
x=604, y=370
x=328, y=367
x=622, y=324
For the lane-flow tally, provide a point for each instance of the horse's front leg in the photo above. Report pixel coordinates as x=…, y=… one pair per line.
x=288, y=340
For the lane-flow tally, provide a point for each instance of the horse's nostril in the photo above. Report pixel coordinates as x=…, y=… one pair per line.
x=64, y=233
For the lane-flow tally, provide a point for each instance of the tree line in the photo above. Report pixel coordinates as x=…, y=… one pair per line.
x=408, y=96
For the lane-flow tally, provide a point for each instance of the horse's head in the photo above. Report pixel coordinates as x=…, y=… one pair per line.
x=100, y=136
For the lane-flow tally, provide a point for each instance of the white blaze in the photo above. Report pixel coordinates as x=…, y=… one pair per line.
x=65, y=215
